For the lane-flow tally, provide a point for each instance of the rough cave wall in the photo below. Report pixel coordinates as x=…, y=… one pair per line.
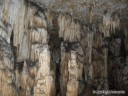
x=63, y=48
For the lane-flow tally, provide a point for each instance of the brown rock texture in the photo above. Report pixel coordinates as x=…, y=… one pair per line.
x=63, y=47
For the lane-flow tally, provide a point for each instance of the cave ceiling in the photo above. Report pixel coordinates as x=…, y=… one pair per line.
x=82, y=9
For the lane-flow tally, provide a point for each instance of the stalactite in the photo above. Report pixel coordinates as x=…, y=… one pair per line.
x=113, y=26
x=25, y=24
x=35, y=52
x=38, y=35
x=69, y=29
x=106, y=24
x=5, y=30
x=111, y=22
x=106, y=19
x=19, y=28
x=30, y=16
x=115, y=23
x=24, y=49
x=90, y=14
x=10, y=10
x=50, y=18
x=67, y=32
x=43, y=34
x=72, y=31
x=35, y=36
x=72, y=85
x=39, y=22
x=61, y=22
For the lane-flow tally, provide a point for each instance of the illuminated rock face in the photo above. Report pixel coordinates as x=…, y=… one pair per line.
x=7, y=76
x=63, y=47
x=44, y=80
x=72, y=85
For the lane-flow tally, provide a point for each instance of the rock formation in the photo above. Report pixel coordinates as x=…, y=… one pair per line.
x=63, y=47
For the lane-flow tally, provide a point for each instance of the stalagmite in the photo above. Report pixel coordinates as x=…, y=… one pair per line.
x=106, y=62
x=24, y=76
x=28, y=91
x=18, y=78
x=90, y=42
x=80, y=58
x=106, y=67
x=33, y=70
x=43, y=77
x=26, y=80
x=63, y=70
x=72, y=85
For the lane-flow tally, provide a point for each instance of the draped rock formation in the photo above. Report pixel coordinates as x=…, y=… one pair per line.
x=63, y=47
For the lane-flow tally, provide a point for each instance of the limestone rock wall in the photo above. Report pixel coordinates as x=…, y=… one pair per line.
x=52, y=51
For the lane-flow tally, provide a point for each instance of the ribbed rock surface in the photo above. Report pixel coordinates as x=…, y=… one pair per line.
x=63, y=47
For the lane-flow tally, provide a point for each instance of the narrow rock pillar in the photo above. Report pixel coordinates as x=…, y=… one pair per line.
x=73, y=84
